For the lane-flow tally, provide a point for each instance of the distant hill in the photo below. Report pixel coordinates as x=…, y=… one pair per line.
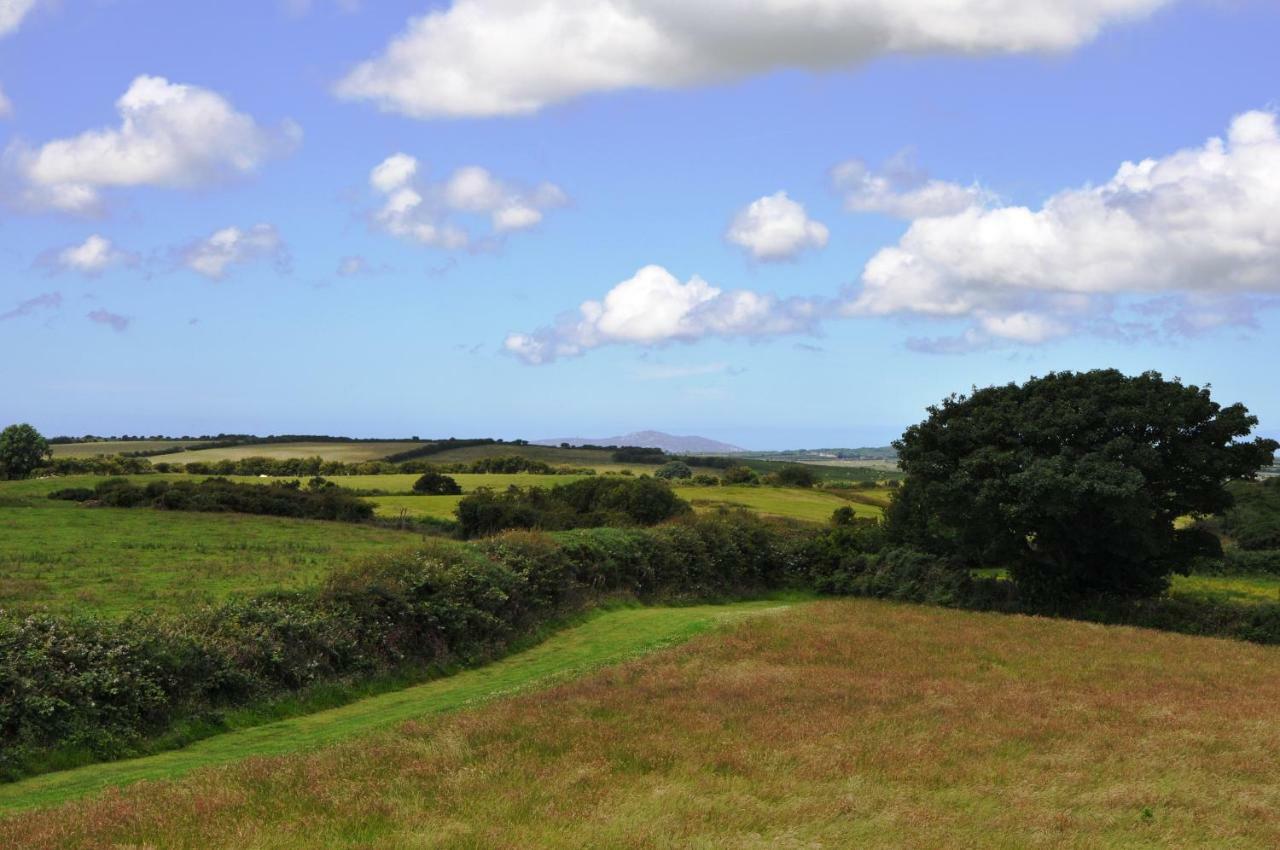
x=652, y=440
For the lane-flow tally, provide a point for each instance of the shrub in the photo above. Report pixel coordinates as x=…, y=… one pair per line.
x=591, y=502
x=437, y=484
x=218, y=494
x=673, y=469
x=796, y=475
x=740, y=475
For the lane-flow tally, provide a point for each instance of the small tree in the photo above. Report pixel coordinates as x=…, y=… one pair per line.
x=796, y=475
x=22, y=451
x=740, y=475
x=674, y=469
x=437, y=484
x=1074, y=481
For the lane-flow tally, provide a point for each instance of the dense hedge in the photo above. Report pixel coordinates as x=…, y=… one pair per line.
x=219, y=495
x=98, y=686
x=589, y=503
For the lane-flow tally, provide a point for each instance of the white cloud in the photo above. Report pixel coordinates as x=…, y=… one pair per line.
x=776, y=228
x=1203, y=221
x=231, y=246
x=92, y=257
x=12, y=12
x=170, y=135
x=424, y=212
x=511, y=57
x=655, y=308
x=902, y=190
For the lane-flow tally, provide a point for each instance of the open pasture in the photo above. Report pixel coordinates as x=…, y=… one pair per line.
x=63, y=557
x=792, y=503
x=835, y=724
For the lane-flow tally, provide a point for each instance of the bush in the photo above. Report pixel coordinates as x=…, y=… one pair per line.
x=796, y=475
x=437, y=484
x=740, y=475
x=73, y=494
x=591, y=502
x=674, y=469
x=218, y=494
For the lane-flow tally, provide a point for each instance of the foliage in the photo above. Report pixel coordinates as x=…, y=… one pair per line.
x=1253, y=522
x=22, y=450
x=218, y=494
x=639, y=454
x=1073, y=481
x=590, y=502
x=673, y=470
x=740, y=475
x=436, y=484
x=796, y=475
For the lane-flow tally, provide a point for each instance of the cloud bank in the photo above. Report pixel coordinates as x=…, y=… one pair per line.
x=425, y=212
x=170, y=135
x=1190, y=242
x=514, y=57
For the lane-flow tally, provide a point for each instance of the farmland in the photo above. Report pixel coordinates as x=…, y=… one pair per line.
x=851, y=723
x=59, y=556
x=791, y=503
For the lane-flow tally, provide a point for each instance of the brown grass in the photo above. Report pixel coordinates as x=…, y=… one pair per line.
x=838, y=724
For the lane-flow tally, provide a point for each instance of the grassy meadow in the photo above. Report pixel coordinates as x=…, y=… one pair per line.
x=63, y=557
x=850, y=723
x=791, y=503
x=352, y=452
x=114, y=447
x=605, y=637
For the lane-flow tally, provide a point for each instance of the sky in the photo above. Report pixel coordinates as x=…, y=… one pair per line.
x=783, y=224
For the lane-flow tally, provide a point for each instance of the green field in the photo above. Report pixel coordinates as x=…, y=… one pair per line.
x=606, y=637
x=1228, y=588
x=346, y=452
x=435, y=507
x=115, y=447
x=810, y=505
x=850, y=723
x=64, y=557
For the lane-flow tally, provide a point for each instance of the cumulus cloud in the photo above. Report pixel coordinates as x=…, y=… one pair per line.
x=512, y=57
x=232, y=246
x=901, y=189
x=423, y=211
x=776, y=228
x=170, y=135
x=1201, y=222
x=47, y=301
x=116, y=322
x=91, y=257
x=12, y=13
x=654, y=308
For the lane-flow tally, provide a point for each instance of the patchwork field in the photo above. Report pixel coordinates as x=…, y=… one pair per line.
x=113, y=447
x=346, y=452
x=834, y=724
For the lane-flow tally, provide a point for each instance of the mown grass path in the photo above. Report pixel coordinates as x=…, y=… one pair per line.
x=605, y=638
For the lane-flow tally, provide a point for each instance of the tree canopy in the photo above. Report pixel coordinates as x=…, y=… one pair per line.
x=1074, y=481
x=22, y=450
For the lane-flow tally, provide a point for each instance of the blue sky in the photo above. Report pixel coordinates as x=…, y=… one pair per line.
x=248, y=276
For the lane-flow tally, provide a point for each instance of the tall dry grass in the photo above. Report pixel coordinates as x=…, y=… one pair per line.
x=838, y=724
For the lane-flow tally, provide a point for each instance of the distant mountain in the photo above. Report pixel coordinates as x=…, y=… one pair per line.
x=652, y=440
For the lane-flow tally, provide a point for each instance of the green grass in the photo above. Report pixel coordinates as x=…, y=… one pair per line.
x=604, y=638
x=851, y=723
x=808, y=505
x=63, y=557
x=437, y=507
x=1228, y=588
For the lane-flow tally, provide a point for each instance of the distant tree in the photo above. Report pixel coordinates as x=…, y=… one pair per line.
x=22, y=450
x=796, y=475
x=674, y=469
x=437, y=484
x=740, y=475
x=1074, y=481
x=843, y=516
